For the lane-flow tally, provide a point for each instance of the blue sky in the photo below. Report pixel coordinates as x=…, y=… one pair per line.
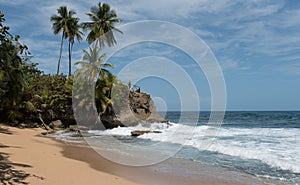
x=256, y=42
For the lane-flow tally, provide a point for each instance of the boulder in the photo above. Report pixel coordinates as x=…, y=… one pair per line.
x=44, y=106
x=74, y=128
x=56, y=124
x=48, y=132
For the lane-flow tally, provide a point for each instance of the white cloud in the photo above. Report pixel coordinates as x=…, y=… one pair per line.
x=254, y=27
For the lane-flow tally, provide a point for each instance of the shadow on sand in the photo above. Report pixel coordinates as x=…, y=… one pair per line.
x=5, y=131
x=8, y=173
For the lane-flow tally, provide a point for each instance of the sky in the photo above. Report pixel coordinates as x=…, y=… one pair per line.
x=255, y=42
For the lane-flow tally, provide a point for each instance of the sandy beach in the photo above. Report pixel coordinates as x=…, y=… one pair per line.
x=29, y=158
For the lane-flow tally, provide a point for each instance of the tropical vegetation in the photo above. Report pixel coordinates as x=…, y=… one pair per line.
x=67, y=24
x=29, y=95
x=12, y=65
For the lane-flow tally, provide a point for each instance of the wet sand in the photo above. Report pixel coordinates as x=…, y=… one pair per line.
x=169, y=172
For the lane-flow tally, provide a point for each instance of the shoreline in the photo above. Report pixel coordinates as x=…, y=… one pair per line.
x=49, y=161
x=170, y=172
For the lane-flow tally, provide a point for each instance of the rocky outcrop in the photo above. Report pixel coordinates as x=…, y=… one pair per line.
x=137, y=107
x=141, y=132
x=140, y=104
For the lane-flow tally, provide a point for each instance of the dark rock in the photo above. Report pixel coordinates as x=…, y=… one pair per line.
x=141, y=132
x=32, y=125
x=48, y=132
x=35, y=125
x=22, y=125
x=110, y=120
x=37, y=98
x=44, y=106
x=74, y=128
x=56, y=124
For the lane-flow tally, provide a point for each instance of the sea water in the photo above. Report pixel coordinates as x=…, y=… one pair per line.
x=263, y=144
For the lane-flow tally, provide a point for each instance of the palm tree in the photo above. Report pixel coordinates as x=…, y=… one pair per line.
x=73, y=31
x=11, y=71
x=102, y=25
x=93, y=63
x=62, y=23
x=94, y=67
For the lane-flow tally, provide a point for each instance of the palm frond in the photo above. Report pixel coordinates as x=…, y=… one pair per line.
x=102, y=26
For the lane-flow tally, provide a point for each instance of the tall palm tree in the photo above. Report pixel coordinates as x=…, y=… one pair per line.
x=102, y=25
x=62, y=23
x=73, y=31
x=94, y=67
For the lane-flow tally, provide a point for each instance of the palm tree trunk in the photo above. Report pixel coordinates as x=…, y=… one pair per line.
x=60, y=52
x=70, y=58
x=96, y=43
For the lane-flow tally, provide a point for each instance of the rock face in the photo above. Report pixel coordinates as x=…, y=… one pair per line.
x=143, y=108
x=135, y=108
x=140, y=104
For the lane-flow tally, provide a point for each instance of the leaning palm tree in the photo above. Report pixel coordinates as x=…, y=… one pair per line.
x=61, y=23
x=73, y=32
x=102, y=26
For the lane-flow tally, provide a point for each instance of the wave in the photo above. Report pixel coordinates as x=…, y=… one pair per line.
x=277, y=147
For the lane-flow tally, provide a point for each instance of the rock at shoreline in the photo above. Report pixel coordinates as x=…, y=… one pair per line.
x=141, y=132
x=56, y=125
x=73, y=128
x=131, y=111
x=48, y=132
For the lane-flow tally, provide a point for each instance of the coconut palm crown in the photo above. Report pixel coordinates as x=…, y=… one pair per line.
x=102, y=25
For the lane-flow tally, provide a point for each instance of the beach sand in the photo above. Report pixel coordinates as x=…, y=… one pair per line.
x=27, y=157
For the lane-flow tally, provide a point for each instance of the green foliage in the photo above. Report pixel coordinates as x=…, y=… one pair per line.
x=93, y=64
x=103, y=91
x=51, y=96
x=12, y=80
x=102, y=25
x=26, y=93
x=94, y=69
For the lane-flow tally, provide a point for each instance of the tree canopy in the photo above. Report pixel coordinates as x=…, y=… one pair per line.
x=26, y=93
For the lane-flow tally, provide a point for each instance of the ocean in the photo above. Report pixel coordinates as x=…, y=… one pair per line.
x=261, y=144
